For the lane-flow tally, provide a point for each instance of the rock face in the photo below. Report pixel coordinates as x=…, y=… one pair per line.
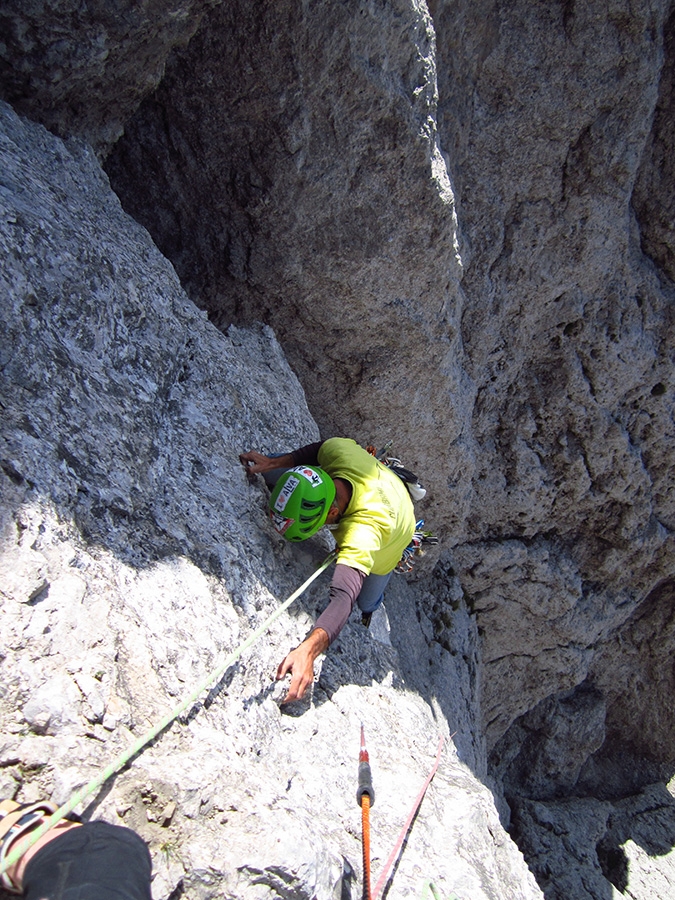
x=654, y=196
x=82, y=69
x=458, y=220
x=136, y=556
x=308, y=134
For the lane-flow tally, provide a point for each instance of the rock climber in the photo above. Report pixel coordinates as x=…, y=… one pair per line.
x=368, y=508
x=72, y=860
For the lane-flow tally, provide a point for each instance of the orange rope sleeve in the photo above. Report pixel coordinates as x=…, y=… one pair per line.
x=365, y=832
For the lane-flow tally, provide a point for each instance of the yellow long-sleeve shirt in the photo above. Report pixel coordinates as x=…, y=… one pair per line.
x=379, y=522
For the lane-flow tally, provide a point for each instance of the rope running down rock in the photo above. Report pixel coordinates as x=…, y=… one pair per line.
x=138, y=745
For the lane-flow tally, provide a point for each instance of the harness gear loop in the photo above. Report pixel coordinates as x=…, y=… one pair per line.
x=138, y=745
x=411, y=481
x=417, y=492
x=414, y=548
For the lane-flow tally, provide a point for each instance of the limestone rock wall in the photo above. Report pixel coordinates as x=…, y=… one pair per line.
x=136, y=556
x=654, y=195
x=548, y=115
x=83, y=68
x=289, y=166
x=545, y=432
x=457, y=218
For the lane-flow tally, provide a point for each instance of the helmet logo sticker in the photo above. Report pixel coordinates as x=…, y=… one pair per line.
x=310, y=474
x=300, y=502
x=285, y=493
x=279, y=522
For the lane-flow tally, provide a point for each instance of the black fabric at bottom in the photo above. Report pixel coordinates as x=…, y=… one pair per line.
x=97, y=861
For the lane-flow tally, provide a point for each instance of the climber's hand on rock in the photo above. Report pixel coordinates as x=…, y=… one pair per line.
x=300, y=663
x=301, y=666
x=255, y=462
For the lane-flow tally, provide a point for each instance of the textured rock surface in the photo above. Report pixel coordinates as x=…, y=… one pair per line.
x=625, y=850
x=324, y=168
x=654, y=197
x=308, y=134
x=83, y=68
x=136, y=556
x=558, y=489
x=566, y=329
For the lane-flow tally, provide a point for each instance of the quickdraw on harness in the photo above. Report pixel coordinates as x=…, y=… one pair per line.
x=414, y=548
x=411, y=481
x=365, y=797
x=417, y=492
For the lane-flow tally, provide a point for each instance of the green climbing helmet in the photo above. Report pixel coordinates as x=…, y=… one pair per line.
x=300, y=502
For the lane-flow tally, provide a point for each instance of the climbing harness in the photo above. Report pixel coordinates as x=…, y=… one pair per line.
x=138, y=745
x=365, y=796
x=412, y=482
x=414, y=548
x=17, y=819
x=416, y=491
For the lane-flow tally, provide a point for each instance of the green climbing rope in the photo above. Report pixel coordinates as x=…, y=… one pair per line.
x=430, y=888
x=138, y=745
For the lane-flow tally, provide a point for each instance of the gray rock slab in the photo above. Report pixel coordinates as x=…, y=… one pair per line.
x=125, y=411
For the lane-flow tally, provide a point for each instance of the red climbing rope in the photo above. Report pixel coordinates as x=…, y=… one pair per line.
x=387, y=866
